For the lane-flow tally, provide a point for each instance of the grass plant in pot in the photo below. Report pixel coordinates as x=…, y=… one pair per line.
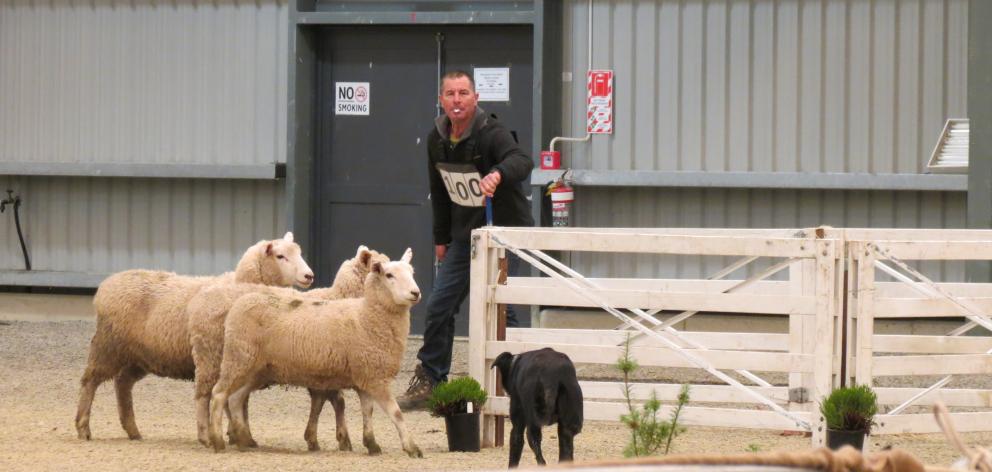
x=459, y=401
x=850, y=414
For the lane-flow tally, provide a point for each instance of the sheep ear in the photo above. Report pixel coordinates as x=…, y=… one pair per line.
x=407, y=256
x=288, y=236
x=268, y=249
x=377, y=267
x=364, y=256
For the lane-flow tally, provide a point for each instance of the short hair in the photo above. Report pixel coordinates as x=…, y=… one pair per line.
x=455, y=74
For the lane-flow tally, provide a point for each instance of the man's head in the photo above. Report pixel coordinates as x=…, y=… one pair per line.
x=458, y=96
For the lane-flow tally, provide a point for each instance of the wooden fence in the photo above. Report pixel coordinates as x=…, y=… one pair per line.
x=810, y=297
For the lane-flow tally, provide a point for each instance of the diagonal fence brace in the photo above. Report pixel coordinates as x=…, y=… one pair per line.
x=694, y=359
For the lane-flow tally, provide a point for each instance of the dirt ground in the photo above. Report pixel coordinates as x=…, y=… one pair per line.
x=41, y=362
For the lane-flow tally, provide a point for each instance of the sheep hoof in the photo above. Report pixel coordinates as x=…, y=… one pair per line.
x=344, y=445
x=84, y=434
x=374, y=449
x=218, y=444
x=135, y=436
x=414, y=452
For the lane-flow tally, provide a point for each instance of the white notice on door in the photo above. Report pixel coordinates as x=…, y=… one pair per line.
x=351, y=98
x=493, y=84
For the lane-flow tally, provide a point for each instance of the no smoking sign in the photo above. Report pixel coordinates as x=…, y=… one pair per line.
x=351, y=98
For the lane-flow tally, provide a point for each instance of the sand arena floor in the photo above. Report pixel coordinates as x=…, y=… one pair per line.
x=41, y=362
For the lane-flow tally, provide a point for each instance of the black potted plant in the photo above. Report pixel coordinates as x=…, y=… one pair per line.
x=459, y=401
x=850, y=414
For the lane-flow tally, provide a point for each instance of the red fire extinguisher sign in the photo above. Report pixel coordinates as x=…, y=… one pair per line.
x=600, y=102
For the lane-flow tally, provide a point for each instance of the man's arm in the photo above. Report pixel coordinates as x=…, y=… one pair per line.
x=513, y=164
x=440, y=202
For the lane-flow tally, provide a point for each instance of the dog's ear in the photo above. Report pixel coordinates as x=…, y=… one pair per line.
x=503, y=359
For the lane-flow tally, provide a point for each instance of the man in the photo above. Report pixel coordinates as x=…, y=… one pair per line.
x=470, y=155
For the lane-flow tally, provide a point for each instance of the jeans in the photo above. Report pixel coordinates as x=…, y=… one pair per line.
x=451, y=286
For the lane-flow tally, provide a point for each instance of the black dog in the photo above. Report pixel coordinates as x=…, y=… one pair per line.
x=543, y=391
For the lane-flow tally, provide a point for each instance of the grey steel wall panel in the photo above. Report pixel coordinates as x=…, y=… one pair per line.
x=746, y=208
x=104, y=225
x=150, y=82
x=768, y=85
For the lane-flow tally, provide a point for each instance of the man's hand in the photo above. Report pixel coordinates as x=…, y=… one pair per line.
x=439, y=251
x=489, y=183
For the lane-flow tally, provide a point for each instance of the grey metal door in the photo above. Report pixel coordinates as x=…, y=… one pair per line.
x=371, y=171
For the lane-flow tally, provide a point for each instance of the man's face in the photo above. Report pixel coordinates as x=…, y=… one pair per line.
x=458, y=99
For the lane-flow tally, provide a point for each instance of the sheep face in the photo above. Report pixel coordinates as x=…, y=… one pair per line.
x=397, y=277
x=287, y=257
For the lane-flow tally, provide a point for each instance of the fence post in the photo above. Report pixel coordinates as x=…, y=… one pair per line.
x=824, y=339
x=481, y=316
x=865, y=292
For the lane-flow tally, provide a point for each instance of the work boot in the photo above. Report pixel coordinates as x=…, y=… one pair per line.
x=418, y=392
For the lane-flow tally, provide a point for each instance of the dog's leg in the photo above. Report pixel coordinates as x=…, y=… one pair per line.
x=565, y=445
x=534, y=441
x=516, y=442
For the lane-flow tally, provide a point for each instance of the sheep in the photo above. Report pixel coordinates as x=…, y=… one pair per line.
x=141, y=323
x=327, y=345
x=543, y=391
x=207, y=311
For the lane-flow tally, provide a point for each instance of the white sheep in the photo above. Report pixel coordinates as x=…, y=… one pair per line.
x=141, y=323
x=207, y=311
x=326, y=345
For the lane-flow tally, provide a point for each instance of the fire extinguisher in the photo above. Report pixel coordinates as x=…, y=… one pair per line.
x=562, y=195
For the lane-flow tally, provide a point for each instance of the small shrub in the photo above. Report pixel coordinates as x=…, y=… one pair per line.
x=753, y=448
x=850, y=409
x=647, y=433
x=450, y=398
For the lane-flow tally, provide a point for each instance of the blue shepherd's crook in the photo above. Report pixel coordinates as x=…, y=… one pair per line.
x=489, y=211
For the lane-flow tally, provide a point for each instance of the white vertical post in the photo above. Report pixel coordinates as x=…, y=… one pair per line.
x=479, y=329
x=824, y=334
x=866, y=319
x=853, y=302
x=796, y=330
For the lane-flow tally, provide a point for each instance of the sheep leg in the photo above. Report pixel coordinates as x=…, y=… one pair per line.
x=368, y=436
x=94, y=375
x=317, y=398
x=234, y=436
x=238, y=429
x=340, y=425
x=218, y=403
x=387, y=402
x=534, y=441
x=565, y=444
x=124, y=385
x=204, y=382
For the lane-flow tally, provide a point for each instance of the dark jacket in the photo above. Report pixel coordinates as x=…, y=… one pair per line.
x=488, y=146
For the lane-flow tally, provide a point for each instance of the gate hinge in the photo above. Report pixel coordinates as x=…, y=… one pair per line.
x=475, y=239
x=798, y=395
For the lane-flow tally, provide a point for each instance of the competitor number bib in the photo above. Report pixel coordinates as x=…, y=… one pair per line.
x=462, y=182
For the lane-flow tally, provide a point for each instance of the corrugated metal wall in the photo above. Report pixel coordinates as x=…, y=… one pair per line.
x=766, y=85
x=178, y=81
x=101, y=225
x=769, y=85
x=150, y=82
